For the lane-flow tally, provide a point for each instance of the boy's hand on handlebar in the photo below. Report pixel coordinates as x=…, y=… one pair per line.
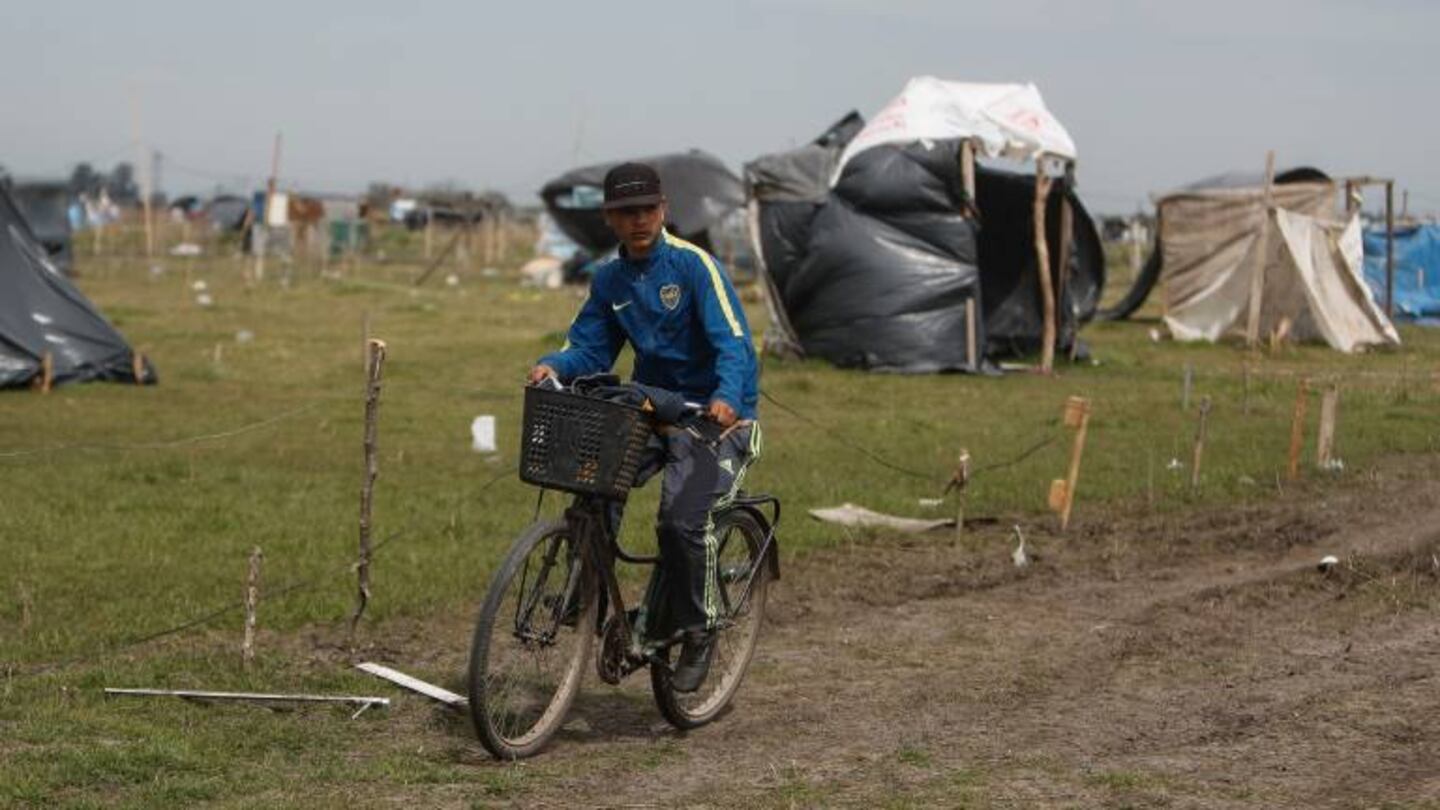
x=540, y=372
x=721, y=412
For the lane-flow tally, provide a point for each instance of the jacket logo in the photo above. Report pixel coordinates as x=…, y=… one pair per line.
x=670, y=295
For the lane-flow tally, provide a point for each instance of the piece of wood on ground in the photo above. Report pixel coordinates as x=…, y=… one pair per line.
x=849, y=514
x=414, y=684
x=363, y=701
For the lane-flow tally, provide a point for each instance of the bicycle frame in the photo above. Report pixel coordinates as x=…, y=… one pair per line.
x=600, y=548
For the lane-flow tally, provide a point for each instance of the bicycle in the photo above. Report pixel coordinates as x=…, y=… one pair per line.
x=557, y=591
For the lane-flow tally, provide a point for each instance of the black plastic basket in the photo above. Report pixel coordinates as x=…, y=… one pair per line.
x=581, y=444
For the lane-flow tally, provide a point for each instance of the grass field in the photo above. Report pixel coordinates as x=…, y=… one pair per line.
x=129, y=511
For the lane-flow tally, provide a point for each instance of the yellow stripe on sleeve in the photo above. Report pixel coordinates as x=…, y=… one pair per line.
x=715, y=279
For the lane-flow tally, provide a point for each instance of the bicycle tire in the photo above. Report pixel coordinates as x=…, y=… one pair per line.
x=735, y=641
x=514, y=708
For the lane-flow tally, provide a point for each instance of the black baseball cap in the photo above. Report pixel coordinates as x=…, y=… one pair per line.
x=632, y=184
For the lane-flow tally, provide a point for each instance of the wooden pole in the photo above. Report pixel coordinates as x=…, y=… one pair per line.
x=1186, y=381
x=1062, y=491
x=970, y=209
x=1389, y=248
x=1042, y=266
x=1262, y=248
x=1067, y=238
x=429, y=231
x=373, y=372
x=262, y=244
x=1325, y=440
x=1199, y=443
x=47, y=373
x=967, y=176
x=959, y=481
x=1297, y=429
x=252, y=601
x=1245, y=387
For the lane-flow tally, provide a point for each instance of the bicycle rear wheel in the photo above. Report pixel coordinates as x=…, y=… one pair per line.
x=532, y=642
x=739, y=538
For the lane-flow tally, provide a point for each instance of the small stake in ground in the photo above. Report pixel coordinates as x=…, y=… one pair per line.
x=373, y=372
x=1245, y=388
x=1199, y=443
x=1325, y=441
x=957, y=482
x=1062, y=490
x=1297, y=429
x=252, y=601
x=1186, y=382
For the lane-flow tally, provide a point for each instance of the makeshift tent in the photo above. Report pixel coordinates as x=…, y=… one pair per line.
x=884, y=269
x=700, y=191
x=1309, y=285
x=1417, y=271
x=42, y=313
x=1149, y=276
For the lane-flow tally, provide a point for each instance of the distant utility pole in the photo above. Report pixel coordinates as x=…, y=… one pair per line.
x=156, y=162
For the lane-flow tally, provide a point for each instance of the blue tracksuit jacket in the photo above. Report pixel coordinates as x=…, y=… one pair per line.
x=681, y=315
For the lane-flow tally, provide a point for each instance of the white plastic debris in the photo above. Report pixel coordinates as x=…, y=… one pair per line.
x=1155, y=335
x=482, y=434
x=1334, y=465
x=1018, y=556
x=452, y=280
x=1328, y=562
x=204, y=300
x=185, y=249
x=1174, y=464
x=244, y=336
x=931, y=503
x=200, y=286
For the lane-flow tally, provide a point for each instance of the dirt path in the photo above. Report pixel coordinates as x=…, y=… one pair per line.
x=1192, y=660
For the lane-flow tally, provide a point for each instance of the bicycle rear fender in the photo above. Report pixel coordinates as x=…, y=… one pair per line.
x=753, y=505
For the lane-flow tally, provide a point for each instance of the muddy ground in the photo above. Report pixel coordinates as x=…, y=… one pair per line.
x=1190, y=658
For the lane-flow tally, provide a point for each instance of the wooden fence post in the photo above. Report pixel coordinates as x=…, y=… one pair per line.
x=1199, y=443
x=252, y=601
x=1062, y=490
x=1325, y=440
x=1297, y=429
x=373, y=373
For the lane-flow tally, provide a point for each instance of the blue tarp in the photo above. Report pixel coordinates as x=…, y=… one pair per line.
x=1417, y=271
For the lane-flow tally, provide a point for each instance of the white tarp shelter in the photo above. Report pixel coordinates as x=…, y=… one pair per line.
x=1003, y=120
x=1311, y=287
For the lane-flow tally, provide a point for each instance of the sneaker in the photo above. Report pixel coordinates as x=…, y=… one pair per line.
x=694, y=661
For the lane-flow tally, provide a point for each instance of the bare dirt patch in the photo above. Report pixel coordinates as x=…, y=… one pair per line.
x=1188, y=659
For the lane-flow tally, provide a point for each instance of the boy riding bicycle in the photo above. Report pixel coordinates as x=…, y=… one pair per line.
x=669, y=299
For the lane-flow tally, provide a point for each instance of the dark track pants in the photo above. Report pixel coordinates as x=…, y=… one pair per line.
x=697, y=480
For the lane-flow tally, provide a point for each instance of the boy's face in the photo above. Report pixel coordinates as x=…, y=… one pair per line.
x=637, y=226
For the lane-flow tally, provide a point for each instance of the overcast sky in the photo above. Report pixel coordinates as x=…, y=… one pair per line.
x=506, y=95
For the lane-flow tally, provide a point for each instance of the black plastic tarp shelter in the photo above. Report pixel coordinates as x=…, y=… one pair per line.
x=700, y=191
x=41, y=312
x=876, y=271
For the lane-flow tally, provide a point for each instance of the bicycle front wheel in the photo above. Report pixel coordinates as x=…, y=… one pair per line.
x=532, y=642
x=739, y=539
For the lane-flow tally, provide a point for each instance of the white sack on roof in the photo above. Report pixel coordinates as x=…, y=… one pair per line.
x=1008, y=120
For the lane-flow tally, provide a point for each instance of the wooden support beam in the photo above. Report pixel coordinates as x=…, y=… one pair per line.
x=1067, y=239
x=1390, y=249
x=1042, y=267
x=1261, y=250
